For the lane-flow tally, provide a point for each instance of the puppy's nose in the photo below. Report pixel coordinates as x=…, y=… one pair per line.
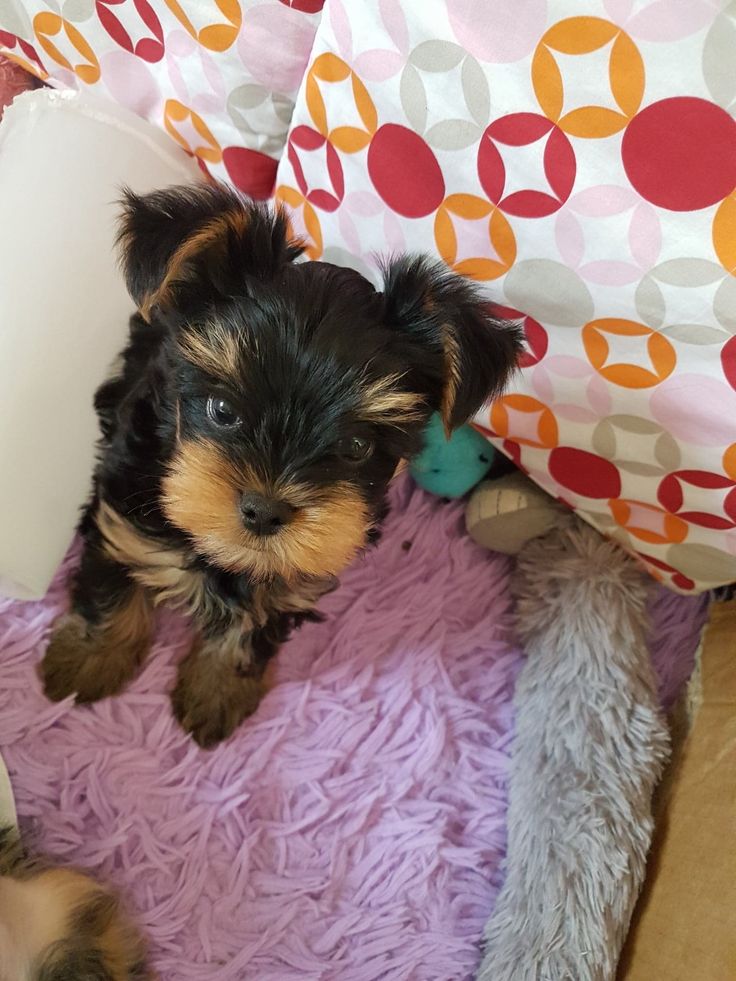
x=264, y=515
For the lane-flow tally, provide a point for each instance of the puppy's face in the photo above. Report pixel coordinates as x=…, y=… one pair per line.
x=295, y=389
x=294, y=410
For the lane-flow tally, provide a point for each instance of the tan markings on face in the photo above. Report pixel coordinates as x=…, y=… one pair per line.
x=383, y=401
x=213, y=234
x=452, y=383
x=216, y=351
x=201, y=495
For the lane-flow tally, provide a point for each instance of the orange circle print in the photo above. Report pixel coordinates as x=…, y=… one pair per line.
x=331, y=69
x=661, y=353
x=724, y=233
x=191, y=132
x=648, y=523
x=579, y=36
x=216, y=35
x=30, y=63
x=294, y=200
x=46, y=26
x=729, y=461
x=458, y=209
x=524, y=420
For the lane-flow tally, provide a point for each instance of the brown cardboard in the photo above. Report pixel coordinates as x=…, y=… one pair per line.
x=684, y=927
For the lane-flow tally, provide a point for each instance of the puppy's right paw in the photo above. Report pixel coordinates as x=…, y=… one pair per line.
x=80, y=662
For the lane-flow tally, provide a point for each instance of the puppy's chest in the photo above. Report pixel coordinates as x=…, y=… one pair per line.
x=259, y=602
x=212, y=596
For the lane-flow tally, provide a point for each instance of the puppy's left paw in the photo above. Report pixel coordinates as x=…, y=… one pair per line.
x=210, y=703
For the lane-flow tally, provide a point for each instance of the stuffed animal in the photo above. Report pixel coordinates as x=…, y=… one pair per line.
x=589, y=744
x=451, y=467
x=505, y=514
x=582, y=776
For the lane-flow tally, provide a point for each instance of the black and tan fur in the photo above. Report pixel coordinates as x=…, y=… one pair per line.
x=60, y=925
x=330, y=384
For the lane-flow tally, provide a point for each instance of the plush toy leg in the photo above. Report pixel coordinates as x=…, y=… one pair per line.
x=589, y=748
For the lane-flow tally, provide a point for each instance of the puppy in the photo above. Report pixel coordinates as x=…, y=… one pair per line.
x=59, y=925
x=249, y=438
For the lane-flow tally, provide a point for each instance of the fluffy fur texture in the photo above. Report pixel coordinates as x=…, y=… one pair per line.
x=589, y=747
x=354, y=828
x=261, y=410
x=60, y=925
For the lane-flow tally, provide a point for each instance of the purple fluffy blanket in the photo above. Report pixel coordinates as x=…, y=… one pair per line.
x=354, y=828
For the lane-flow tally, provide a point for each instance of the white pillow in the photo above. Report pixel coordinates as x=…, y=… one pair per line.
x=64, y=308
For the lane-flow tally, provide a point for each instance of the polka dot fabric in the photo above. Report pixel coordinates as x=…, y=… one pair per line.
x=220, y=76
x=579, y=161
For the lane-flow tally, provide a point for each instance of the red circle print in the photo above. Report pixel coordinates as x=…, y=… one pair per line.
x=682, y=582
x=250, y=171
x=728, y=361
x=671, y=495
x=557, y=164
x=680, y=153
x=306, y=6
x=537, y=342
x=405, y=172
x=149, y=48
x=308, y=140
x=535, y=335
x=584, y=473
x=513, y=450
x=10, y=40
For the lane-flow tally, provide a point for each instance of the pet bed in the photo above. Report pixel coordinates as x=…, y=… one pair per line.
x=354, y=828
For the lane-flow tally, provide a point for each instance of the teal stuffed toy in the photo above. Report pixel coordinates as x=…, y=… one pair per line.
x=451, y=467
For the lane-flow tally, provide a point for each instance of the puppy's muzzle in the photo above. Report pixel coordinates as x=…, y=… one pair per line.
x=264, y=515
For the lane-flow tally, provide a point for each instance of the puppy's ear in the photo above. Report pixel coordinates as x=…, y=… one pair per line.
x=462, y=355
x=192, y=244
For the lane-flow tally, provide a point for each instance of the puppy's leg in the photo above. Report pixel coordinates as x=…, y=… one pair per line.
x=222, y=681
x=97, y=649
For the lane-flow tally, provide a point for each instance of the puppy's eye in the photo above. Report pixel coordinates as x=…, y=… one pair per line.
x=221, y=413
x=355, y=449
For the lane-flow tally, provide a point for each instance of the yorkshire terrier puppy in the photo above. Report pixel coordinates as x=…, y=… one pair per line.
x=248, y=440
x=60, y=925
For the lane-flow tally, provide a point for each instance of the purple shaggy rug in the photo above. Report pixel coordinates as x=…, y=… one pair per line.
x=354, y=828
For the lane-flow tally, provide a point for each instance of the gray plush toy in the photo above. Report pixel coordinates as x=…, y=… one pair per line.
x=589, y=745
